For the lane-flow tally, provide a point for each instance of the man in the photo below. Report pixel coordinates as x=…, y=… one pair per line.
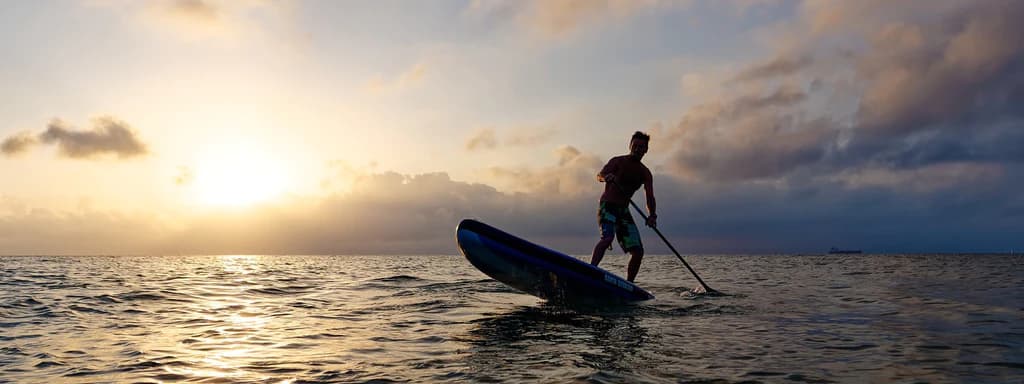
x=622, y=176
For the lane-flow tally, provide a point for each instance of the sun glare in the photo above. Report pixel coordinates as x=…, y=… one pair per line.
x=238, y=178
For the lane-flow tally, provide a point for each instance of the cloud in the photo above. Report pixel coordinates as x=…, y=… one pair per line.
x=193, y=19
x=486, y=138
x=393, y=213
x=405, y=80
x=109, y=136
x=783, y=96
x=482, y=139
x=755, y=147
x=527, y=137
x=384, y=212
x=777, y=67
x=196, y=10
x=572, y=176
x=560, y=17
x=554, y=19
x=36, y=231
x=865, y=87
x=197, y=19
x=17, y=143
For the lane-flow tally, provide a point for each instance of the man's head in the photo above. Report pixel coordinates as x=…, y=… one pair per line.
x=638, y=144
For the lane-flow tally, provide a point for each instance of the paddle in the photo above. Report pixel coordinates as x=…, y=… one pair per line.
x=707, y=289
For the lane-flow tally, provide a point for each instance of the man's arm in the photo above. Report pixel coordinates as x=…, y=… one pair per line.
x=608, y=172
x=652, y=205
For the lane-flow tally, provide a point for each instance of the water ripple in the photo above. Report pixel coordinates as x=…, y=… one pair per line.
x=369, y=319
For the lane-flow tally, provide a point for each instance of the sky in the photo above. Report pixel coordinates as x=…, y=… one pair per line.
x=359, y=127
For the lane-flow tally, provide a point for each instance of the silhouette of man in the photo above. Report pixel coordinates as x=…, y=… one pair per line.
x=622, y=176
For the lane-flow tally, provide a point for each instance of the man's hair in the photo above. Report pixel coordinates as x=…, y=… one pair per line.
x=640, y=136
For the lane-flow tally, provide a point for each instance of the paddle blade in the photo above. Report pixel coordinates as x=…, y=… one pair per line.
x=700, y=290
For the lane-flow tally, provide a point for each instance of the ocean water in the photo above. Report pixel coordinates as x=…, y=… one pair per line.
x=380, y=319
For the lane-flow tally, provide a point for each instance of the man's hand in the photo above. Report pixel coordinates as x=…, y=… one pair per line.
x=652, y=221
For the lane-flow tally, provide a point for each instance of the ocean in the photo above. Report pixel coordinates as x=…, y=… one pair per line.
x=435, y=318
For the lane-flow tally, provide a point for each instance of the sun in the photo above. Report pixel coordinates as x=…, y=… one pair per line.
x=238, y=177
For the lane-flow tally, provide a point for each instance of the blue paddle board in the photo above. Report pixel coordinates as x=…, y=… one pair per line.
x=540, y=271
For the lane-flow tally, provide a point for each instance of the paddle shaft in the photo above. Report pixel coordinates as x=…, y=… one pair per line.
x=642, y=214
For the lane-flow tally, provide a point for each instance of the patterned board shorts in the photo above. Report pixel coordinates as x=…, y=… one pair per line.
x=615, y=220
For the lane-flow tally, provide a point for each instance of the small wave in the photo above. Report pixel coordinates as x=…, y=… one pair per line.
x=322, y=336
x=859, y=347
x=987, y=321
x=170, y=377
x=1006, y=364
x=765, y=373
x=108, y=299
x=48, y=364
x=934, y=347
x=430, y=340
x=276, y=370
x=297, y=346
x=14, y=351
x=79, y=372
x=269, y=291
x=79, y=308
x=392, y=281
x=17, y=281
x=140, y=296
x=272, y=291
x=986, y=345
x=149, y=364
x=397, y=278
x=20, y=303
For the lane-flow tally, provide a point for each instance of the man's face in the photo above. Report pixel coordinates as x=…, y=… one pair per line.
x=638, y=148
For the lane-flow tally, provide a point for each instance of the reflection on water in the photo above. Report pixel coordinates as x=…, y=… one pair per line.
x=543, y=340
x=284, y=319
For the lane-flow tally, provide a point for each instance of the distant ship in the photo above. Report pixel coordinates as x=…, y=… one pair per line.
x=837, y=251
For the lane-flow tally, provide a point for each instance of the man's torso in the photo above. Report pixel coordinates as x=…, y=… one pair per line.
x=629, y=173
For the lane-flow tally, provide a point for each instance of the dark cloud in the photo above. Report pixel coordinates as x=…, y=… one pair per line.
x=394, y=213
x=919, y=76
x=757, y=147
x=917, y=86
x=749, y=137
x=387, y=213
x=108, y=136
x=17, y=143
x=782, y=97
x=777, y=67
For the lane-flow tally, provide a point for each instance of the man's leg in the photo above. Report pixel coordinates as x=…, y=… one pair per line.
x=606, y=221
x=636, y=255
x=599, y=249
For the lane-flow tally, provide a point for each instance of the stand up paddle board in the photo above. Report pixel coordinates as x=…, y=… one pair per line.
x=539, y=271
